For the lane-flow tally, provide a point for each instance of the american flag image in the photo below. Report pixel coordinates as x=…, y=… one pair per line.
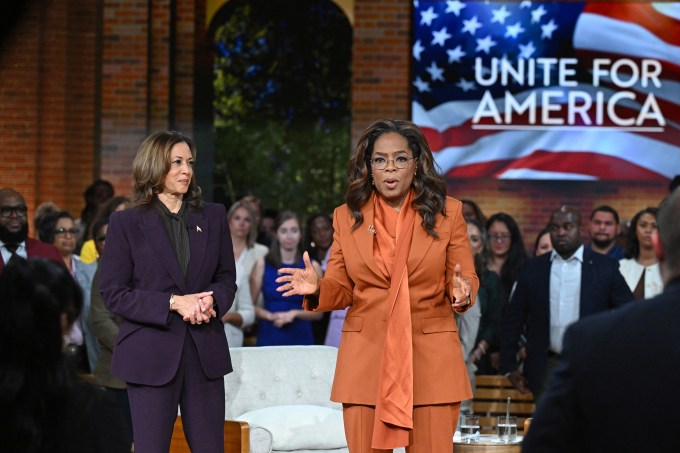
x=595, y=90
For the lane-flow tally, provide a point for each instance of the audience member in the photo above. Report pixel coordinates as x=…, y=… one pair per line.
x=489, y=300
x=88, y=252
x=506, y=251
x=282, y=321
x=256, y=205
x=640, y=268
x=604, y=231
x=14, y=240
x=249, y=258
x=616, y=386
x=472, y=211
x=552, y=291
x=267, y=229
x=105, y=326
x=44, y=406
x=622, y=237
x=95, y=195
x=318, y=240
x=42, y=210
x=543, y=244
x=58, y=229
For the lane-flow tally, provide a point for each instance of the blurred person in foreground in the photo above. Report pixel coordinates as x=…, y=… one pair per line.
x=168, y=271
x=401, y=262
x=617, y=381
x=44, y=406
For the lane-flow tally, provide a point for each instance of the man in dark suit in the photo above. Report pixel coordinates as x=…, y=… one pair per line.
x=553, y=291
x=14, y=240
x=615, y=388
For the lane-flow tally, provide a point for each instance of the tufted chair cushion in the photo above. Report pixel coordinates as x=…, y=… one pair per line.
x=268, y=376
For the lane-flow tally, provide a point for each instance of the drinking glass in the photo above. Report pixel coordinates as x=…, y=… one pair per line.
x=507, y=428
x=469, y=428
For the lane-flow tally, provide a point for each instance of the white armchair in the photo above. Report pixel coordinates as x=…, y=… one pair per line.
x=278, y=399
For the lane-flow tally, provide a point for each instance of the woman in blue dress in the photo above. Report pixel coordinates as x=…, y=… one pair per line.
x=282, y=321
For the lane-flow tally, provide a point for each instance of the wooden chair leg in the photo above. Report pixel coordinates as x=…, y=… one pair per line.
x=236, y=437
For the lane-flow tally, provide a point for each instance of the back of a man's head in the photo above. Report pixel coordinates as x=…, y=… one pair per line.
x=668, y=222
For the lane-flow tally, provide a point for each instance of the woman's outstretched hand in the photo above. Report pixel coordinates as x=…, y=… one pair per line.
x=461, y=290
x=297, y=281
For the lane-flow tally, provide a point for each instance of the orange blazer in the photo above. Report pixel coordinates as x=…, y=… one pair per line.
x=352, y=280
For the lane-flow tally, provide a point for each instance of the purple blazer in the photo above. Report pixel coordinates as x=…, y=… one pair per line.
x=139, y=273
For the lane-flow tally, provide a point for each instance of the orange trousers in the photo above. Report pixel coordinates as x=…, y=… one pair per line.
x=433, y=428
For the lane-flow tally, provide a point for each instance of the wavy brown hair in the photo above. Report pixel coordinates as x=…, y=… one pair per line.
x=428, y=183
x=152, y=164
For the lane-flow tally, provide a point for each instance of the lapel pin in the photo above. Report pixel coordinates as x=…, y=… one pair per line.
x=198, y=228
x=371, y=229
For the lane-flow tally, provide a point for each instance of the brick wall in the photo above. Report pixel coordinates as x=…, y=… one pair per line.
x=380, y=62
x=47, y=98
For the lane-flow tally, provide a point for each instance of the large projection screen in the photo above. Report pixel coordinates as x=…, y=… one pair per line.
x=549, y=91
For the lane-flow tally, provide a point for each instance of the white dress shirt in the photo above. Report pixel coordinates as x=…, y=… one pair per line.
x=565, y=295
x=6, y=254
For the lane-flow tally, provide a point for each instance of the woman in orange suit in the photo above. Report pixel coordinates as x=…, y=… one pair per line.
x=401, y=262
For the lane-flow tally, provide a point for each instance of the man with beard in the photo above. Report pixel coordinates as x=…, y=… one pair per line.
x=604, y=229
x=553, y=291
x=14, y=240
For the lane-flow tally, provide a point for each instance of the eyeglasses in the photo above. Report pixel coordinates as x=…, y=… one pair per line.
x=19, y=211
x=64, y=231
x=380, y=163
x=500, y=237
x=101, y=238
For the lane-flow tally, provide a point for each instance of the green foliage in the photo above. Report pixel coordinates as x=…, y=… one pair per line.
x=282, y=118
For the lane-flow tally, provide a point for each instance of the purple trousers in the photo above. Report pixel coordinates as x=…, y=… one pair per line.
x=201, y=402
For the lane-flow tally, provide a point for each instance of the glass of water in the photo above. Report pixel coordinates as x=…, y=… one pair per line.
x=469, y=428
x=507, y=428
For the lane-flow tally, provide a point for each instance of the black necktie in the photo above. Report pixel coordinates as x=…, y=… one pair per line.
x=12, y=248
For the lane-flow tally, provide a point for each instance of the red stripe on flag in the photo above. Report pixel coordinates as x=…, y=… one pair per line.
x=643, y=14
x=578, y=163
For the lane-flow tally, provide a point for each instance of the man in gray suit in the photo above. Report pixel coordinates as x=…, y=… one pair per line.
x=616, y=386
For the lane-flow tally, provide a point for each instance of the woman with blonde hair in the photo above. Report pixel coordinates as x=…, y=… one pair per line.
x=249, y=257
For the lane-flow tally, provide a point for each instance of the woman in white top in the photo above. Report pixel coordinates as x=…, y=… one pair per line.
x=249, y=258
x=640, y=268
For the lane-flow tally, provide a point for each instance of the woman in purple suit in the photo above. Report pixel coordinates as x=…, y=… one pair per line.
x=169, y=273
